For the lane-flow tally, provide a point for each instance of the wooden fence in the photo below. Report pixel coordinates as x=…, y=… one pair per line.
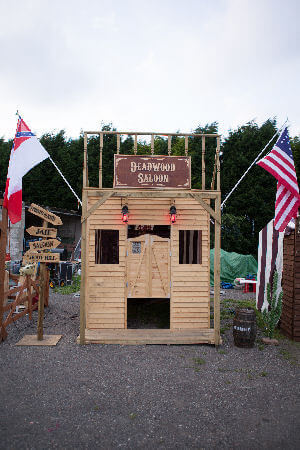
x=26, y=293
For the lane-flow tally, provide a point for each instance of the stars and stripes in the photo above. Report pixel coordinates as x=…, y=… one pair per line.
x=280, y=163
x=270, y=259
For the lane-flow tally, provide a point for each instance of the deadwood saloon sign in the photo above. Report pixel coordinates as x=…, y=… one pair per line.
x=133, y=171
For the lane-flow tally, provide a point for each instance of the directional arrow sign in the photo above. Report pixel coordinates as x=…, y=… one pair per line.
x=41, y=257
x=42, y=231
x=44, y=214
x=42, y=245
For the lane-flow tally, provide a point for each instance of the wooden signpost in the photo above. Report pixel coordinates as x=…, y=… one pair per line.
x=46, y=244
x=42, y=232
x=40, y=252
x=44, y=214
x=35, y=257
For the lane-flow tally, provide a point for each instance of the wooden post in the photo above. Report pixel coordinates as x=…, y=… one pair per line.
x=43, y=279
x=218, y=164
x=169, y=145
x=83, y=270
x=212, y=186
x=217, y=269
x=118, y=143
x=100, y=160
x=217, y=250
x=85, y=174
x=29, y=294
x=186, y=145
x=3, y=237
x=203, y=163
x=135, y=144
x=152, y=144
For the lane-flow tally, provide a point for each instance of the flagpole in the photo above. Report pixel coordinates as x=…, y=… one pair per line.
x=234, y=188
x=65, y=180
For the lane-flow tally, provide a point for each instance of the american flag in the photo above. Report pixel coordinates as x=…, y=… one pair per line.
x=280, y=163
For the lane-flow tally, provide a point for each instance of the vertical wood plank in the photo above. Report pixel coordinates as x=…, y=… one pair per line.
x=126, y=278
x=85, y=174
x=29, y=295
x=135, y=144
x=186, y=145
x=203, y=163
x=41, y=304
x=83, y=270
x=218, y=164
x=100, y=160
x=152, y=144
x=118, y=143
x=217, y=269
x=149, y=262
x=169, y=145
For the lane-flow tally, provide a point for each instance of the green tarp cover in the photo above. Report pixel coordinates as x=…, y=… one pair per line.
x=233, y=265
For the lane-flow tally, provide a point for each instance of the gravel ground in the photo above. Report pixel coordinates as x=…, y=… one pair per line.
x=174, y=397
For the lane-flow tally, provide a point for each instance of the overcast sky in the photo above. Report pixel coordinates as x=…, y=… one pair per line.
x=148, y=65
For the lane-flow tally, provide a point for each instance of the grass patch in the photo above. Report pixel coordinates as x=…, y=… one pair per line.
x=199, y=361
x=225, y=328
x=74, y=287
x=288, y=356
x=132, y=416
x=222, y=352
x=263, y=374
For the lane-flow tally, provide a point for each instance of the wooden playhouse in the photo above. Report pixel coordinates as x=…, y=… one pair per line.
x=149, y=237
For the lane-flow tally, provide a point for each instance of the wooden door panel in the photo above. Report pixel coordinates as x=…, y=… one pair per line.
x=148, y=267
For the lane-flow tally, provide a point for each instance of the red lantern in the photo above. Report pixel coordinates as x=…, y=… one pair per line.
x=125, y=214
x=173, y=214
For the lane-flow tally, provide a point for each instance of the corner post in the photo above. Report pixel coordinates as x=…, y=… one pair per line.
x=100, y=159
x=218, y=164
x=85, y=168
x=83, y=270
x=203, y=163
x=217, y=251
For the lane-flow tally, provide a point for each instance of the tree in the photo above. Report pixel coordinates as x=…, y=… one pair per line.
x=253, y=202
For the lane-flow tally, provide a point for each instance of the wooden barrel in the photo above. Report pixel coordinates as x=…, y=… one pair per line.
x=244, y=327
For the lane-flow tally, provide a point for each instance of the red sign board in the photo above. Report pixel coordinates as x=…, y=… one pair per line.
x=132, y=171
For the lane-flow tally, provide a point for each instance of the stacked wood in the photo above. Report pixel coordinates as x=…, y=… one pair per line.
x=290, y=317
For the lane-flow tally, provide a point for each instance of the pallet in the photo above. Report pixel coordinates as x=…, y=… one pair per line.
x=147, y=336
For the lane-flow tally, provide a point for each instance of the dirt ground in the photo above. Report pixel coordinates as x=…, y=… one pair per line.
x=165, y=397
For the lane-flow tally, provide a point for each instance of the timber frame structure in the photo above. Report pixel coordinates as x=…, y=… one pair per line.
x=105, y=287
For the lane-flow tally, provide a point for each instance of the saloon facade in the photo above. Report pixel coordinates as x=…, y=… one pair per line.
x=149, y=237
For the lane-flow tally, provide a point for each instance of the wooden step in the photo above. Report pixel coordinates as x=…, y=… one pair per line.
x=149, y=336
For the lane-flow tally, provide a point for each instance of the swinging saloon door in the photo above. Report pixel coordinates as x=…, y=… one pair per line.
x=148, y=267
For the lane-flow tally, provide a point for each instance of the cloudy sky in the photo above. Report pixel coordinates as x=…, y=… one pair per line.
x=145, y=65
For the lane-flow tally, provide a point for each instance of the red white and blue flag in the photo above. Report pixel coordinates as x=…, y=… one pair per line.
x=26, y=153
x=280, y=163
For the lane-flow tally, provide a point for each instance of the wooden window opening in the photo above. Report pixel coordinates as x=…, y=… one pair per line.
x=106, y=246
x=190, y=247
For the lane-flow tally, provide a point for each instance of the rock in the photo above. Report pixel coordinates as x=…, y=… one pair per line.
x=269, y=341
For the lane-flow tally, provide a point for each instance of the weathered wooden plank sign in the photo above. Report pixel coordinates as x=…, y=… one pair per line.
x=45, y=244
x=132, y=171
x=42, y=232
x=44, y=214
x=41, y=257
